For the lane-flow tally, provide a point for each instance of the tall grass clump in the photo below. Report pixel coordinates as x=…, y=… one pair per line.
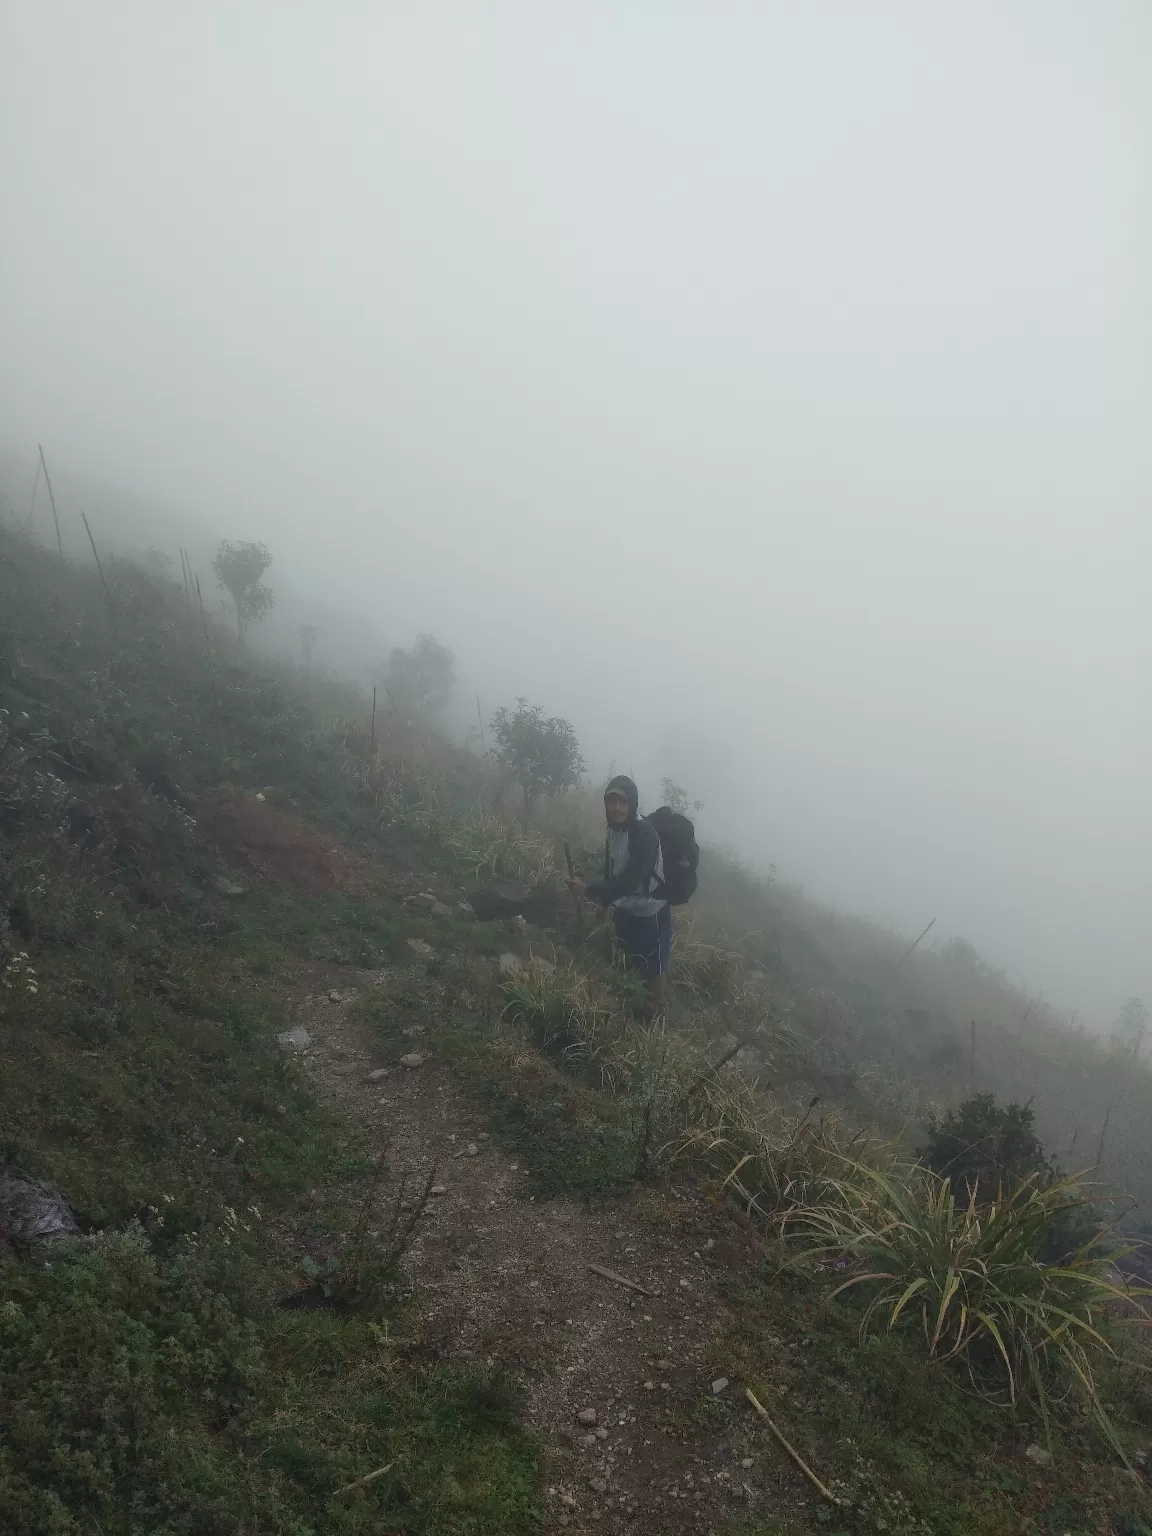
x=559, y=1010
x=772, y=1162
x=971, y=1277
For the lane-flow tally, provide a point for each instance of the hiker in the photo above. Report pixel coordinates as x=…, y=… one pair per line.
x=633, y=887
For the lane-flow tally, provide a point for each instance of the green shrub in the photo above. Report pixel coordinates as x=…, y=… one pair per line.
x=986, y=1148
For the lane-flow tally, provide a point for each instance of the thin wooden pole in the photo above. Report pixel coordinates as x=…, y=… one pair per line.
x=35, y=485
x=480, y=721
x=913, y=945
x=100, y=568
x=1072, y=1143
x=373, y=724
x=184, y=570
x=52, y=499
x=203, y=615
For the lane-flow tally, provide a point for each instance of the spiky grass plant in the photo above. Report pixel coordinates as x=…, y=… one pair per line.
x=972, y=1278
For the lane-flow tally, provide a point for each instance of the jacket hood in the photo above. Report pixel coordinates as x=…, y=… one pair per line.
x=623, y=785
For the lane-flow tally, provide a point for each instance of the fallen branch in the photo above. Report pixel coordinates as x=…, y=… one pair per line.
x=794, y=1454
x=610, y=1274
x=362, y=1482
x=711, y=1070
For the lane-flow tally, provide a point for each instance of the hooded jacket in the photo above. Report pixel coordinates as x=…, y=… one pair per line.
x=633, y=863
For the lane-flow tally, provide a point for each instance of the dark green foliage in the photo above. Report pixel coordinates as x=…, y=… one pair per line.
x=984, y=1147
x=419, y=682
x=239, y=568
x=541, y=753
x=152, y=1394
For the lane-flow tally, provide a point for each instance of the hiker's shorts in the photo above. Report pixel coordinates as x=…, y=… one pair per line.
x=645, y=941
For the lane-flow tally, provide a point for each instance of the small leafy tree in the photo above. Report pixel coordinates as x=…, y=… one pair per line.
x=540, y=751
x=1130, y=1028
x=675, y=797
x=420, y=680
x=239, y=568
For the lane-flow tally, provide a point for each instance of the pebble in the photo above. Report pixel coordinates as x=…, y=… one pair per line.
x=663, y=1365
x=421, y=899
x=601, y=1433
x=438, y=1189
x=413, y=1059
x=422, y=948
x=509, y=964
x=597, y=1485
x=296, y=1039
x=746, y=1462
x=649, y=1386
x=438, y=909
x=1039, y=1456
x=229, y=888
x=587, y=1416
x=471, y=1150
x=718, y=1385
x=568, y=1501
x=378, y=1075
x=588, y=1441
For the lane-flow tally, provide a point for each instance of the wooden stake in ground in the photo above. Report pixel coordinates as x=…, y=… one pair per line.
x=185, y=569
x=794, y=1454
x=480, y=721
x=1103, y=1137
x=203, y=615
x=103, y=583
x=373, y=738
x=571, y=876
x=32, y=503
x=52, y=499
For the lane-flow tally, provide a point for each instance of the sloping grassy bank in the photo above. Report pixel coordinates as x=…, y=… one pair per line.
x=148, y=1383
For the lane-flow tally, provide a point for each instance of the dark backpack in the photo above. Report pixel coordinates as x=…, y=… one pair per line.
x=681, y=854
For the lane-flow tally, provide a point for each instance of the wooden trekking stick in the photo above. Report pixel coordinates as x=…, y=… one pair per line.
x=575, y=897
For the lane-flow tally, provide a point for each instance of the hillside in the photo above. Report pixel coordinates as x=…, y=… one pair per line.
x=315, y=1289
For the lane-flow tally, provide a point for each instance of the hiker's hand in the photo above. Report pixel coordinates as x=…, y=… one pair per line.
x=578, y=887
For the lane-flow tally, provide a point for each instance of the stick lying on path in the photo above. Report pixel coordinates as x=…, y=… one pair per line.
x=610, y=1274
x=361, y=1481
x=794, y=1454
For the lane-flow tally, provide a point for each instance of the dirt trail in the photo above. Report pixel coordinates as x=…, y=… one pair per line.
x=504, y=1279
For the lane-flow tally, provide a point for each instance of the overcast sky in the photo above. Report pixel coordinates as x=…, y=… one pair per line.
x=765, y=387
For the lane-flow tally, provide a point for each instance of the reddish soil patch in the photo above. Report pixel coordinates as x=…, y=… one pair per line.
x=276, y=845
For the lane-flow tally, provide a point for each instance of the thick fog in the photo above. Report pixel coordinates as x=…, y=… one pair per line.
x=765, y=387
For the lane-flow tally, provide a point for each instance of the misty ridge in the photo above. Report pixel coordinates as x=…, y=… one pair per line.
x=903, y=1023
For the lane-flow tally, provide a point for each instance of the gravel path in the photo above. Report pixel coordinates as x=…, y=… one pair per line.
x=626, y=1389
